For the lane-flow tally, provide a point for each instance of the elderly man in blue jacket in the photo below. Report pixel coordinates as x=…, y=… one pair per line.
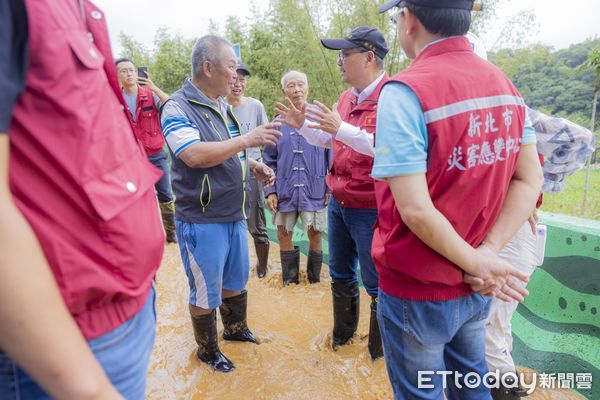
x=299, y=190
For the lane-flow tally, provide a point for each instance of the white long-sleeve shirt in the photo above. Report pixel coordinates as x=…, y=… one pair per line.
x=358, y=139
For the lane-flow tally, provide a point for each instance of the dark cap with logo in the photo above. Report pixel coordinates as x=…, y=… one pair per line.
x=242, y=67
x=456, y=4
x=368, y=38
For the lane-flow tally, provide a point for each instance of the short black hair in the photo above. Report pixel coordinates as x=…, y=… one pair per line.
x=123, y=59
x=442, y=21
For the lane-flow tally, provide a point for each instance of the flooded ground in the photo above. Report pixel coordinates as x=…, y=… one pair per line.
x=293, y=360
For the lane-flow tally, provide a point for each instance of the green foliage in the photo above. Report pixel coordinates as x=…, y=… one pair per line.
x=552, y=81
x=171, y=63
x=134, y=50
x=168, y=64
x=569, y=201
x=591, y=63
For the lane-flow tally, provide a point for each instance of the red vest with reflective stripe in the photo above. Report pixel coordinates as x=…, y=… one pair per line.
x=147, y=126
x=350, y=179
x=77, y=173
x=474, y=117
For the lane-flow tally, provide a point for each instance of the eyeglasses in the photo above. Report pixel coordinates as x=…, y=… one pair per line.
x=343, y=55
x=396, y=15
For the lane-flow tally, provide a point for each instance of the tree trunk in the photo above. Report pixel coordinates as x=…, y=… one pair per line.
x=592, y=156
x=594, y=104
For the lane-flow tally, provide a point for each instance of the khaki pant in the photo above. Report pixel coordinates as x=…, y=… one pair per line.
x=257, y=222
x=519, y=252
x=315, y=219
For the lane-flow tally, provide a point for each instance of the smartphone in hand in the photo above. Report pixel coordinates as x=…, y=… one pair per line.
x=142, y=72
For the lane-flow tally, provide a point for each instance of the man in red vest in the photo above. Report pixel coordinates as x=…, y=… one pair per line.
x=80, y=238
x=143, y=99
x=349, y=130
x=458, y=174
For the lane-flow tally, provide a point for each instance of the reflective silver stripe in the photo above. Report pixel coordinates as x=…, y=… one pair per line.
x=471, y=105
x=201, y=299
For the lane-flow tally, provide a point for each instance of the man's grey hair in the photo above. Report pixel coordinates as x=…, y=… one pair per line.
x=289, y=74
x=206, y=49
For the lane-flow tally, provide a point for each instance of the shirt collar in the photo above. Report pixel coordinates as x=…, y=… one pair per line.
x=362, y=96
x=437, y=41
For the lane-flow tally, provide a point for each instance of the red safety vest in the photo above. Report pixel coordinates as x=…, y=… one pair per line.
x=147, y=125
x=350, y=179
x=78, y=175
x=474, y=117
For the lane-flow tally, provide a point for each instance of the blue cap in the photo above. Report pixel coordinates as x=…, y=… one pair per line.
x=457, y=4
x=368, y=38
x=242, y=67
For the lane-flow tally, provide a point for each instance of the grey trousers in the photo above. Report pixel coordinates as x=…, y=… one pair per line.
x=256, y=221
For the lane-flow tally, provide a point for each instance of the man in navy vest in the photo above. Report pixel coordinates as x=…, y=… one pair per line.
x=210, y=180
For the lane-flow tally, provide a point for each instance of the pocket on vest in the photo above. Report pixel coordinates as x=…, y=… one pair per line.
x=85, y=51
x=151, y=135
x=205, y=192
x=129, y=221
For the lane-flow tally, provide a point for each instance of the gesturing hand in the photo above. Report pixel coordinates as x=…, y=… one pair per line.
x=326, y=120
x=263, y=134
x=272, y=202
x=291, y=115
x=264, y=174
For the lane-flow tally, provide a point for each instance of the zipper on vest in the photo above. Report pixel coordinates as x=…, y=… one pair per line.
x=244, y=169
x=205, y=184
x=215, y=129
x=242, y=165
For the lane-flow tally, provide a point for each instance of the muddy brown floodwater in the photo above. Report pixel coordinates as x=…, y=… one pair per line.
x=293, y=360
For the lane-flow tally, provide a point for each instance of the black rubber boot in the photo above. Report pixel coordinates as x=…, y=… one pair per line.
x=262, y=255
x=313, y=266
x=205, y=333
x=508, y=394
x=167, y=212
x=290, y=265
x=346, y=307
x=375, y=347
x=233, y=315
x=504, y=393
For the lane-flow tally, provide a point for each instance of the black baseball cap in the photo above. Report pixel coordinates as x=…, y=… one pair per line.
x=242, y=67
x=368, y=38
x=457, y=4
